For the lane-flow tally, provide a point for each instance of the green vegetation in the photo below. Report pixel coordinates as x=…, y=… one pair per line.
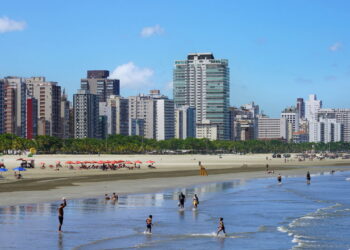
x=135, y=144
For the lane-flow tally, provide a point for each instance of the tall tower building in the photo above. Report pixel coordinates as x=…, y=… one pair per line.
x=64, y=116
x=48, y=95
x=15, y=106
x=2, y=111
x=301, y=108
x=202, y=82
x=118, y=115
x=312, y=106
x=86, y=115
x=97, y=83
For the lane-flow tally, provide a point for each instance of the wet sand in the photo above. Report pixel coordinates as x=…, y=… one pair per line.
x=172, y=171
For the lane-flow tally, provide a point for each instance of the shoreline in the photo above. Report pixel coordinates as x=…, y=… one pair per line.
x=90, y=188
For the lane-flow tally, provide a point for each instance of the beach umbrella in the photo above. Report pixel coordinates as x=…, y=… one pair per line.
x=42, y=163
x=19, y=169
x=120, y=161
x=87, y=161
x=94, y=161
x=129, y=162
x=108, y=162
x=78, y=162
x=69, y=162
x=150, y=161
x=19, y=159
x=138, y=161
x=58, y=162
x=100, y=162
x=3, y=169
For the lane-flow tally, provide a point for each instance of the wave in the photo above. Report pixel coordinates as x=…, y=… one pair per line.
x=347, y=179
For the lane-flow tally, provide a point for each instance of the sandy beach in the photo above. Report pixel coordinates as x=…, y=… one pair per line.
x=41, y=185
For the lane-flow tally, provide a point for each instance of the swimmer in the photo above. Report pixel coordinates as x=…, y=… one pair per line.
x=279, y=179
x=221, y=227
x=182, y=199
x=195, y=201
x=149, y=224
x=107, y=197
x=61, y=214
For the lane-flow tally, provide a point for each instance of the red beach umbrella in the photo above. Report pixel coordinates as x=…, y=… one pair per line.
x=78, y=162
x=94, y=162
x=120, y=161
x=69, y=162
x=129, y=162
x=150, y=161
x=87, y=161
x=100, y=162
x=42, y=163
x=138, y=161
x=108, y=162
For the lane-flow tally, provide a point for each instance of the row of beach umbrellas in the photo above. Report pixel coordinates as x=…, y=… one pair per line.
x=107, y=162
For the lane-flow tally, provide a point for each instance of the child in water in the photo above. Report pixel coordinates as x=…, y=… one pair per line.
x=195, y=201
x=221, y=227
x=149, y=224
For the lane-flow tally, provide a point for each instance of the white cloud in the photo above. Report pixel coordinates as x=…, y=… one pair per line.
x=8, y=25
x=152, y=30
x=336, y=46
x=132, y=76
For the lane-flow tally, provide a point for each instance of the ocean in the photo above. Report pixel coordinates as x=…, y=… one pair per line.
x=258, y=214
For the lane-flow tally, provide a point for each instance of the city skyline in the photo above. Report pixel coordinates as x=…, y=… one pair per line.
x=300, y=51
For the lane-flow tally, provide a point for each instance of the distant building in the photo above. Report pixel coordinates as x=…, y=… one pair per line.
x=98, y=83
x=164, y=119
x=150, y=117
x=327, y=130
x=2, y=108
x=118, y=115
x=48, y=95
x=342, y=116
x=31, y=118
x=86, y=115
x=301, y=107
x=312, y=106
x=300, y=136
x=292, y=116
x=243, y=121
x=64, y=116
x=185, y=122
x=272, y=129
x=202, y=82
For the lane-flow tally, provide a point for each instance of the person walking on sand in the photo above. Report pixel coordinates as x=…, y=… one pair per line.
x=182, y=199
x=61, y=214
x=279, y=179
x=195, y=201
x=149, y=224
x=308, y=177
x=221, y=227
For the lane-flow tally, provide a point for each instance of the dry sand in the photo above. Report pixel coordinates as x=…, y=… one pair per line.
x=40, y=185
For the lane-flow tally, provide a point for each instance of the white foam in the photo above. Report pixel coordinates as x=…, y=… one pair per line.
x=282, y=229
x=308, y=217
x=347, y=179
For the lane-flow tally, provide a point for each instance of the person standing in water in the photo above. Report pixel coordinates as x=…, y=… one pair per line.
x=182, y=199
x=221, y=227
x=308, y=177
x=195, y=201
x=61, y=214
x=149, y=224
x=279, y=179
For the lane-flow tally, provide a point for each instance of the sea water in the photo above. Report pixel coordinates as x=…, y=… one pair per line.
x=258, y=214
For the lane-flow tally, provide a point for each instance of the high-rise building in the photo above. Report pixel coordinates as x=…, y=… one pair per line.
x=272, y=128
x=164, y=119
x=342, y=116
x=98, y=83
x=15, y=98
x=301, y=107
x=185, y=122
x=48, y=95
x=327, y=130
x=292, y=116
x=146, y=116
x=202, y=82
x=2, y=109
x=32, y=118
x=312, y=106
x=64, y=116
x=86, y=115
x=118, y=115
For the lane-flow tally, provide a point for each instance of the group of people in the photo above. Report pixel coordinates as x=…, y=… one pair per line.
x=149, y=224
x=308, y=177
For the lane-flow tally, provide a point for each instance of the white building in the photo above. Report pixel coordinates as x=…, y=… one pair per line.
x=312, y=106
x=327, y=130
x=272, y=128
x=342, y=116
x=164, y=119
x=117, y=115
x=292, y=117
x=206, y=130
x=185, y=122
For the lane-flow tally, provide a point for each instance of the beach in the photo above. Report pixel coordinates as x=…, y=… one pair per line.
x=172, y=171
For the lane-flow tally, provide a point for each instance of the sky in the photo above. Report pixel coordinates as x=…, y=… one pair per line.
x=277, y=50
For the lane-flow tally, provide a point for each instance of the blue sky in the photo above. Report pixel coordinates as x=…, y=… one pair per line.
x=277, y=50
